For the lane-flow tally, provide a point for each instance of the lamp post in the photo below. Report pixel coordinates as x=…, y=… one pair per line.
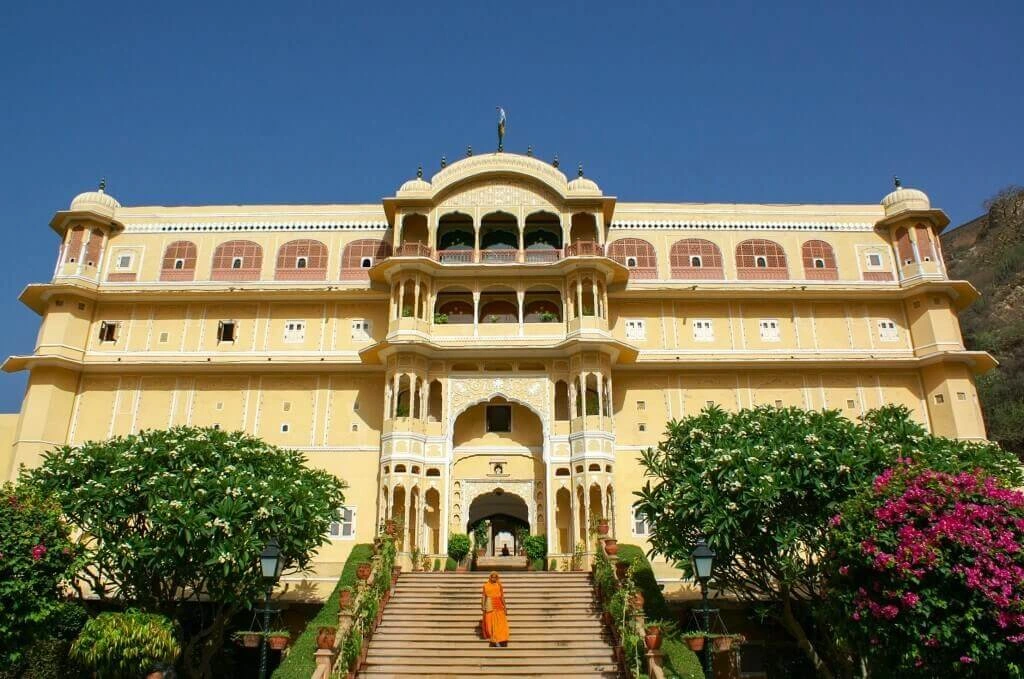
x=702, y=559
x=270, y=568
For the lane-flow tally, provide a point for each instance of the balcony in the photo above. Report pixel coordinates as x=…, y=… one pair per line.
x=500, y=255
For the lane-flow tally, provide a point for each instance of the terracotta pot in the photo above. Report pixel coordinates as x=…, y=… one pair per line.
x=611, y=546
x=637, y=600
x=250, y=640
x=722, y=644
x=619, y=654
x=695, y=643
x=461, y=568
x=602, y=527
x=277, y=642
x=653, y=637
x=345, y=598
x=390, y=527
x=481, y=552
x=325, y=637
x=620, y=569
x=363, y=571
x=395, y=572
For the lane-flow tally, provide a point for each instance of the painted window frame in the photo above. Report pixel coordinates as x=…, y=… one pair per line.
x=771, y=329
x=336, y=529
x=296, y=335
x=636, y=328
x=703, y=329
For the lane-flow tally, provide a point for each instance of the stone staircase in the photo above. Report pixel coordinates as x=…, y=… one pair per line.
x=430, y=629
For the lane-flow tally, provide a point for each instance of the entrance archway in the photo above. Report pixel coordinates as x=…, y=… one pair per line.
x=508, y=515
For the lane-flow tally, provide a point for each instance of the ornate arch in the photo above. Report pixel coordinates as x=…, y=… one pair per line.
x=529, y=392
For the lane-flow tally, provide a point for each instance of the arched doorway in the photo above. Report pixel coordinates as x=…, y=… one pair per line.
x=509, y=520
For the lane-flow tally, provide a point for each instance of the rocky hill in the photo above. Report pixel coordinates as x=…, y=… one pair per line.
x=989, y=252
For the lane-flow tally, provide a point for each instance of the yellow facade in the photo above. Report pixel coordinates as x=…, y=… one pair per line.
x=393, y=342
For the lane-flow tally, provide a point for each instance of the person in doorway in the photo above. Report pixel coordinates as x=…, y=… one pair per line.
x=495, y=618
x=504, y=550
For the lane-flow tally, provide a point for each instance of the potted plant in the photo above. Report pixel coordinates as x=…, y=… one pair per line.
x=248, y=638
x=345, y=596
x=602, y=526
x=440, y=319
x=723, y=642
x=278, y=639
x=325, y=637
x=390, y=525
x=363, y=571
x=652, y=636
x=493, y=318
x=416, y=560
x=481, y=538
x=406, y=312
x=694, y=640
x=536, y=547
x=548, y=317
x=437, y=565
x=578, y=555
x=425, y=564
x=458, y=549
x=611, y=546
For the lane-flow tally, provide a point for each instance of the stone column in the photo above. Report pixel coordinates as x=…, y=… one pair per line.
x=600, y=400
x=416, y=311
x=476, y=312
x=579, y=297
x=394, y=394
x=520, y=297
x=401, y=298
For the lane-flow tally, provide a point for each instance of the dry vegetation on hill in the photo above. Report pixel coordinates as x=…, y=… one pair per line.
x=989, y=252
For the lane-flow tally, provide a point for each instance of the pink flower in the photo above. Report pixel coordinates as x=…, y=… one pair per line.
x=966, y=659
x=910, y=599
x=38, y=551
x=835, y=520
x=856, y=616
x=844, y=570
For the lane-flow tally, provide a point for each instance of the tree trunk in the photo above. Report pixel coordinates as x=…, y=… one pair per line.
x=792, y=625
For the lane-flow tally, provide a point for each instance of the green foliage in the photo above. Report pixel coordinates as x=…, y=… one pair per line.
x=450, y=564
x=45, y=658
x=116, y=645
x=37, y=558
x=536, y=547
x=458, y=546
x=178, y=515
x=441, y=319
x=680, y=661
x=300, y=662
x=437, y=565
x=761, y=484
x=480, y=534
x=655, y=607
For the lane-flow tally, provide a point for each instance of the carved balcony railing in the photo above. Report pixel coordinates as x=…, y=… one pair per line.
x=413, y=250
x=584, y=248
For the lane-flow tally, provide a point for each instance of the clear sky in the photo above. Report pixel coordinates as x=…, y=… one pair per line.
x=294, y=102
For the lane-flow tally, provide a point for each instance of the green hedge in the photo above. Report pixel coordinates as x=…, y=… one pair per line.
x=681, y=661
x=301, y=662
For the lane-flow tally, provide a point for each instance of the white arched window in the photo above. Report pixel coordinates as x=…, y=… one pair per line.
x=639, y=522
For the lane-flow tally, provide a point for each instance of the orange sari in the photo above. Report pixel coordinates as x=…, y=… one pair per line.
x=495, y=623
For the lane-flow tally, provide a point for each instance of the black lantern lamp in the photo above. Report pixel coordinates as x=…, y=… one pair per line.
x=703, y=559
x=270, y=569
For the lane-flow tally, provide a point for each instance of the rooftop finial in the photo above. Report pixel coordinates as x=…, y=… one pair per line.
x=103, y=184
x=444, y=162
x=469, y=151
x=555, y=161
x=529, y=151
x=579, y=170
x=896, y=182
x=419, y=172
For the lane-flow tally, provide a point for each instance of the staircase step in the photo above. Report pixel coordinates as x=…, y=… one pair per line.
x=491, y=666
x=589, y=643
x=481, y=675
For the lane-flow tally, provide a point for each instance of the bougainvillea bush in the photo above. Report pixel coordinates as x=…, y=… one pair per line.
x=928, y=574
x=179, y=516
x=36, y=562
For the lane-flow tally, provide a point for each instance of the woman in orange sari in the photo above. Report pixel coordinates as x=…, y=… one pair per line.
x=492, y=603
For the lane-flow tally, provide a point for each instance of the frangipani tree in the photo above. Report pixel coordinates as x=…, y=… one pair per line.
x=762, y=484
x=177, y=516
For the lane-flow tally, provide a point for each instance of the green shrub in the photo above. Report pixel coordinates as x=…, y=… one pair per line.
x=680, y=661
x=300, y=663
x=116, y=645
x=437, y=565
x=450, y=564
x=679, y=658
x=536, y=547
x=539, y=564
x=458, y=546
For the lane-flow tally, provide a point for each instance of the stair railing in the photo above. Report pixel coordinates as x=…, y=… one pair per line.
x=358, y=622
x=622, y=612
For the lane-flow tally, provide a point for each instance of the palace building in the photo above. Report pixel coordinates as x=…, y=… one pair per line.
x=497, y=342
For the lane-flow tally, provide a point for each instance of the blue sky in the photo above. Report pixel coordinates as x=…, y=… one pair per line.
x=193, y=103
